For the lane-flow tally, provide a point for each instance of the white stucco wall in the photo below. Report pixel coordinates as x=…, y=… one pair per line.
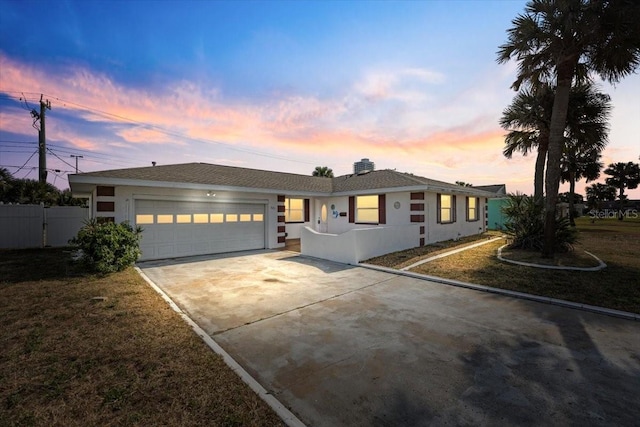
x=125, y=197
x=435, y=232
x=358, y=245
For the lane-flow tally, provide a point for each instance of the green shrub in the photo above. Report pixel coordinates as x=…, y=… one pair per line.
x=525, y=225
x=108, y=247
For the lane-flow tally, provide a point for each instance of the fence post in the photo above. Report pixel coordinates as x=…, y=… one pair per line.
x=44, y=225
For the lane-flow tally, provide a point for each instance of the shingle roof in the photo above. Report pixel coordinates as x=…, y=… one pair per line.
x=386, y=178
x=230, y=176
x=209, y=174
x=499, y=189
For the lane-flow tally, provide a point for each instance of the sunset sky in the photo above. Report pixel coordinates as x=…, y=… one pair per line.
x=284, y=86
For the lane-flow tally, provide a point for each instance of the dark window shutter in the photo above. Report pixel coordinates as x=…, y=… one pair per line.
x=307, y=213
x=439, y=208
x=382, y=209
x=467, y=208
x=455, y=209
x=352, y=209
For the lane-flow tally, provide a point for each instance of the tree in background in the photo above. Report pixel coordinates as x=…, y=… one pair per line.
x=323, y=171
x=32, y=192
x=464, y=184
x=565, y=40
x=587, y=135
x=599, y=193
x=565, y=197
x=623, y=176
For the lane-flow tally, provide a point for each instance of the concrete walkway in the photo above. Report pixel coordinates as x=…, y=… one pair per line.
x=349, y=346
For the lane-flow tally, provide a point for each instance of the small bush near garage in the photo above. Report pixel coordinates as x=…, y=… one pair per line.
x=108, y=247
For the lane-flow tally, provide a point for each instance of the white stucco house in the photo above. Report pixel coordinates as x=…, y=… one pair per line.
x=198, y=208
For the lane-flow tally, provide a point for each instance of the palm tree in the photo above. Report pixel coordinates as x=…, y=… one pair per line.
x=567, y=40
x=623, y=175
x=529, y=115
x=598, y=193
x=586, y=136
x=323, y=171
x=579, y=164
x=527, y=120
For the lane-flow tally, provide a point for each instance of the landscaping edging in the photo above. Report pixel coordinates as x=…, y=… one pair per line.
x=553, y=267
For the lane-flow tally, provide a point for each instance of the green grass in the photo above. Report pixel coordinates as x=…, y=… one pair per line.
x=126, y=358
x=617, y=243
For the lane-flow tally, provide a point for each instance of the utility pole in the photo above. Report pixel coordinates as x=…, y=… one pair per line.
x=77, y=157
x=42, y=141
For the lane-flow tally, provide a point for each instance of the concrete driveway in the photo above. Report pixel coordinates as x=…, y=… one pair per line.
x=349, y=346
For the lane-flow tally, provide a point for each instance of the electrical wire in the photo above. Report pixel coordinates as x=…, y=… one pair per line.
x=61, y=159
x=163, y=130
x=25, y=163
x=176, y=134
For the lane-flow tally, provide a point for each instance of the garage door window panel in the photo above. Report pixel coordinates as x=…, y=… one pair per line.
x=164, y=219
x=216, y=218
x=183, y=218
x=144, y=219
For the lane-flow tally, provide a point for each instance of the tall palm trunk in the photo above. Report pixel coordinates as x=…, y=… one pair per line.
x=572, y=193
x=538, y=180
x=565, y=71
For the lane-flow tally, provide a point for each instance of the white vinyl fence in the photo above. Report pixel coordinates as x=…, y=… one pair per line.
x=35, y=226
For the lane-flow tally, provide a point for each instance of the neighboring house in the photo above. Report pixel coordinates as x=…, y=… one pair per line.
x=495, y=218
x=198, y=208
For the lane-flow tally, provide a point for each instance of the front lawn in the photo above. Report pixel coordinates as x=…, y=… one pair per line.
x=617, y=243
x=80, y=349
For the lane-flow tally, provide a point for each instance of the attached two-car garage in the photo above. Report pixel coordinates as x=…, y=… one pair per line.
x=179, y=228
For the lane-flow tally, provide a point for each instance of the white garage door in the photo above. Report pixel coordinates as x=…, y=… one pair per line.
x=175, y=229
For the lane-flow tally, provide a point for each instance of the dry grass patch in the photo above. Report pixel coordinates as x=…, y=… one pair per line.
x=617, y=286
x=125, y=358
x=407, y=257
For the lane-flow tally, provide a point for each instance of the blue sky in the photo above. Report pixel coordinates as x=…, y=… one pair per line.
x=273, y=85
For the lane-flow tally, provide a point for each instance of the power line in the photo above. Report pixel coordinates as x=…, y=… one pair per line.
x=60, y=158
x=178, y=134
x=25, y=163
x=15, y=151
x=167, y=131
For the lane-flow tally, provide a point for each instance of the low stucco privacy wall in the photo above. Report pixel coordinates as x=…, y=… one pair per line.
x=358, y=244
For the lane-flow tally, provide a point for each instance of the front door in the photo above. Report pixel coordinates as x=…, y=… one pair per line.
x=323, y=219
